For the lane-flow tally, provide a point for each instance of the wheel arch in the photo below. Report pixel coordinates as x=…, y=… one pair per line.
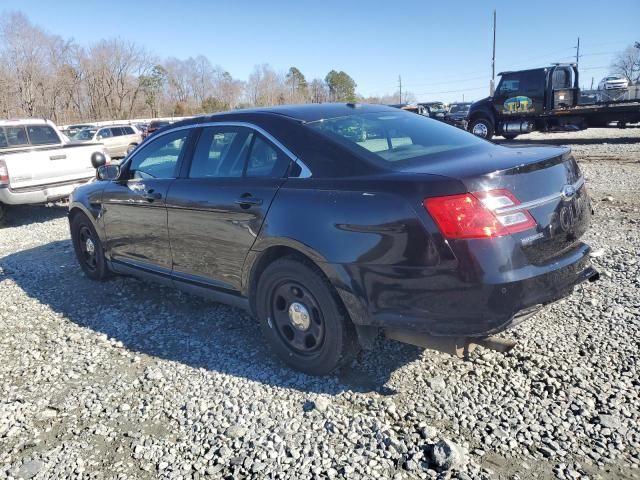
x=334, y=274
x=76, y=209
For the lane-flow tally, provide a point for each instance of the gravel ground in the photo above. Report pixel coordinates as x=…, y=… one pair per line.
x=127, y=380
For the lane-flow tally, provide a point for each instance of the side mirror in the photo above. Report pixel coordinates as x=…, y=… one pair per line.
x=98, y=159
x=108, y=172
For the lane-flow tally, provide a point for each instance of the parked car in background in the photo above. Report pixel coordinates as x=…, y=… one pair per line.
x=332, y=222
x=435, y=110
x=71, y=130
x=37, y=165
x=458, y=114
x=613, y=82
x=154, y=126
x=142, y=128
x=118, y=140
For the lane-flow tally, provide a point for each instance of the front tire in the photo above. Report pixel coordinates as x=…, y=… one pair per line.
x=482, y=127
x=88, y=248
x=302, y=317
x=131, y=148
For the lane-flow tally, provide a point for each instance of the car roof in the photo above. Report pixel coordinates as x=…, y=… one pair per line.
x=304, y=112
x=25, y=121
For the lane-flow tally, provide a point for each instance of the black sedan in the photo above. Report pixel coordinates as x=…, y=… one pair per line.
x=334, y=222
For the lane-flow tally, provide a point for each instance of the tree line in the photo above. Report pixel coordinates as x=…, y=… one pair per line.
x=45, y=75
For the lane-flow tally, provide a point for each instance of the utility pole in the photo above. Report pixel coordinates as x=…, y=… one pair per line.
x=578, y=51
x=493, y=58
x=400, y=86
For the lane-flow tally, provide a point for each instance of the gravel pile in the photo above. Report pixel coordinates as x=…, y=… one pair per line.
x=127, y=380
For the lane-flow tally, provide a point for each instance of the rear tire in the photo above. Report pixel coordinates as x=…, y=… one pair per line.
x=303, y=319
x=131, y=148
x=482, y=127
x=88, y=248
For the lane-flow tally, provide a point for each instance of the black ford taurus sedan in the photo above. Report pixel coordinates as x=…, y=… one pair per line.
x=334, y=222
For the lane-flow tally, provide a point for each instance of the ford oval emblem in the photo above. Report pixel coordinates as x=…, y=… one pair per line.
x=568, y=191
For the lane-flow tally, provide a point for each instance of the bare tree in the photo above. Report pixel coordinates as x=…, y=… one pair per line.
x=318, y=91
x=627, y=63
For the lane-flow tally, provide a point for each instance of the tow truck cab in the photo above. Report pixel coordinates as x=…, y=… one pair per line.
x=529, y=100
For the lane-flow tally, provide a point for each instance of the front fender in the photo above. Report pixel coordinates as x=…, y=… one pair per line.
x=88, y=200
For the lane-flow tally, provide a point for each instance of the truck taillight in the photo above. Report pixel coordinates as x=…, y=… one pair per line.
x=4, y=173
x=478, y=214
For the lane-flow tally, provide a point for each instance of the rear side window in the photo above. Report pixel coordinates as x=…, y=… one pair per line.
x=116, y=131
x=220, y=153
x=128, y=131
x=265, y=160
x=15, y=136
x=42, y=135
x=388, y=138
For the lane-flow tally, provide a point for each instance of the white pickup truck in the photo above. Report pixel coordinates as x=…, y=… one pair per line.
x=39, y=165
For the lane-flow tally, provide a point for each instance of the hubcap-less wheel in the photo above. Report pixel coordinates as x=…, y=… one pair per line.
x=88, y=247
x=480, y=129
x=297, y=318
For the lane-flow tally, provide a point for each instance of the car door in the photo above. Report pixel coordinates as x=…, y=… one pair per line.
x=133, y=207
x=216, y=210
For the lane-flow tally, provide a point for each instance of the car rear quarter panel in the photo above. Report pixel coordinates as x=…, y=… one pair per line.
x=349, y=227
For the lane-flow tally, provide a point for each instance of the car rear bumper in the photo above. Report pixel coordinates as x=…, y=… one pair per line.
x=444, y=303
x=40, y=193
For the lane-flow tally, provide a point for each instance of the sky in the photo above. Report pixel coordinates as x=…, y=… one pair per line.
x=441, y=49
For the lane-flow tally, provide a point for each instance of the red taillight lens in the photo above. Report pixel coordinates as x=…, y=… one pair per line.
x=478, y=214
x=4, y=173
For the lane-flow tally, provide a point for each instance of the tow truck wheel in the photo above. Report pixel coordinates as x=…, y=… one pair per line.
x=510, y=136
x=481, y=127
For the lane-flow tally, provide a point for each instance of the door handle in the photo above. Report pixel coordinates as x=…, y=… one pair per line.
x=246, y=201
x=150, y=195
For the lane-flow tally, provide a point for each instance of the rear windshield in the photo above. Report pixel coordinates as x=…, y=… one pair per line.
x=395, y=139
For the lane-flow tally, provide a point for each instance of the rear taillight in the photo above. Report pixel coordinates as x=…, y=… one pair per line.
x=479, y=214
x=4, y=173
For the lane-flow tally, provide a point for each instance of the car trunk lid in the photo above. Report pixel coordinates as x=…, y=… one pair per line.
x=546, y=181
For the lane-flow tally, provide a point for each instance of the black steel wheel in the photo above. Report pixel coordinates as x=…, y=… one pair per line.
x=302, y=317
x=297, y=318
x=88, y=248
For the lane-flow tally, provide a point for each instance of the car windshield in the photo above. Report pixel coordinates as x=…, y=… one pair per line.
x=459, y=109
x=398, y=139
x=86, y=134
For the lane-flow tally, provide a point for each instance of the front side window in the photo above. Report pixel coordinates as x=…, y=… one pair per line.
x=104, y=133
x=159, y=158
x=117, y=131
x=509, y=86
x=128, y=131
x=388, y=138
x=42, y=135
